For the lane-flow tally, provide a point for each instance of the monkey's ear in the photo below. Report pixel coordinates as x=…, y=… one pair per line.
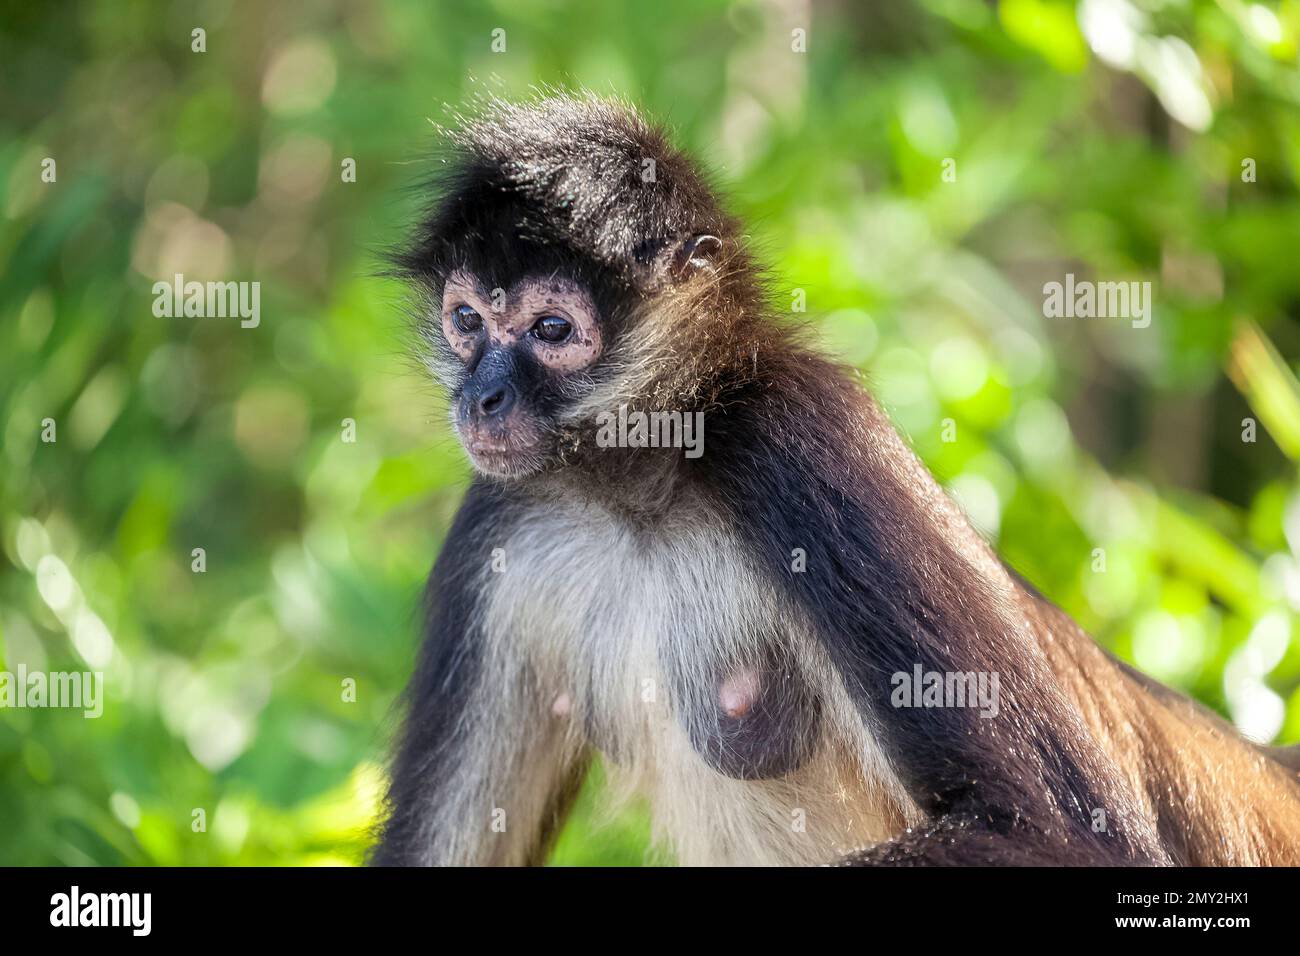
x=697, y=252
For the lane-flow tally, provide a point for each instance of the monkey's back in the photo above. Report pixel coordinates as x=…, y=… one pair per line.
x=1215, y=798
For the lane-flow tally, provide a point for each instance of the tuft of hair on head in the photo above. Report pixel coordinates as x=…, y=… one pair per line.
x=579, y=172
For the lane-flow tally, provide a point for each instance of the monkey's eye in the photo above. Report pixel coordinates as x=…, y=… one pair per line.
x=552, y=328
x=466, y=319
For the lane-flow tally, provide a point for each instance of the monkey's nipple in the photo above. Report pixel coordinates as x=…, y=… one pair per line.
x=738, y=694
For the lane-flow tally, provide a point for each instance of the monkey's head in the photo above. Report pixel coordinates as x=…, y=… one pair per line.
x=571, y=262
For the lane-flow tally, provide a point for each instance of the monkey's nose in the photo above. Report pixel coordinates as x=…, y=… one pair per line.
x=495, y=400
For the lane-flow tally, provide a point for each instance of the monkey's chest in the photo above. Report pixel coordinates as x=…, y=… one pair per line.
x=677, y=661
x=643, y=639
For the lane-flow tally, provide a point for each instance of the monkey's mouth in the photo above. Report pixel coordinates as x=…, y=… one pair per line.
x=504, y=449
x=503, y=458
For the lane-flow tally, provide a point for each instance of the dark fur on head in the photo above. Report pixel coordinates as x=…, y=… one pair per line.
x=562, y=181
x=562, y=186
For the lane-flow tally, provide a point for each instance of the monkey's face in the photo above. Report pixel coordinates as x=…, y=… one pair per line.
x=516, y=346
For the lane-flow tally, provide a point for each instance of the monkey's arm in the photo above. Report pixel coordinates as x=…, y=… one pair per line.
x=969, y=841
x=900, y=589
x=483, y=773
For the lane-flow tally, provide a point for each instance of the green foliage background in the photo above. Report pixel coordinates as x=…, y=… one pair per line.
x=1107, y=139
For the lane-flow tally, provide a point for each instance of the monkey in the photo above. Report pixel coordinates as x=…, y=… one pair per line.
x=730, y=632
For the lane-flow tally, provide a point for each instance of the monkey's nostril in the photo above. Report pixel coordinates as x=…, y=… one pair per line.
x=496, y=400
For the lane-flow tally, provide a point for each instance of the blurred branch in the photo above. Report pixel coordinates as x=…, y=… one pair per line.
x=1268, y=384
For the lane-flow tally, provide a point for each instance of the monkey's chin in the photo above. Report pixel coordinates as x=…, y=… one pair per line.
x=507, y=464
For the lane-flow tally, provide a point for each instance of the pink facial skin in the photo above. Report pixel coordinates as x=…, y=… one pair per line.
x=520, y=307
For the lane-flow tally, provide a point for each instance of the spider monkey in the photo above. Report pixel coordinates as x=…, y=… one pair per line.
x=730, y=630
